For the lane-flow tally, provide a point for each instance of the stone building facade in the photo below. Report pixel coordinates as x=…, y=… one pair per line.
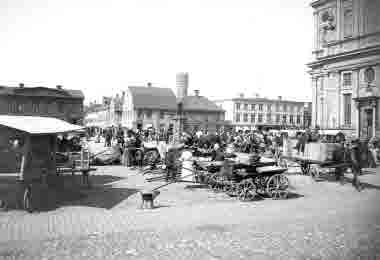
x=256, y=112
x=345, y=72
x=65, y=104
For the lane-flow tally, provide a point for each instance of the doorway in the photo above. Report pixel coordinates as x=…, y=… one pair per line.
x=367, y=121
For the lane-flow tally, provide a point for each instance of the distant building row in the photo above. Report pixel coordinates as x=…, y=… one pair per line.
x=148, y=106
x=255, y=112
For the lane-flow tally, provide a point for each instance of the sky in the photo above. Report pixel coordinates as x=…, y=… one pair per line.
x=103, y=46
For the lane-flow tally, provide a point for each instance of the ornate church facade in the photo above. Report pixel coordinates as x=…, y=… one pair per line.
x=345, y=72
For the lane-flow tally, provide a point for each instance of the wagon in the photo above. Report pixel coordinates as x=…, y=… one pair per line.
x=246, y=180
x=28, y=147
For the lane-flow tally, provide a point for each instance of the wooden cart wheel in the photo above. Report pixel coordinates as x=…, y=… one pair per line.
x=305, y=168
x=314, y=172
x=232, y=191
x=277, y=186
x=246, y=190
x=27, y=200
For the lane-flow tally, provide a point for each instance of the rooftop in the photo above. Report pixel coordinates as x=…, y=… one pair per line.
x=41, y=92
x=199, y=103
x=153, y=98
x=260, y=100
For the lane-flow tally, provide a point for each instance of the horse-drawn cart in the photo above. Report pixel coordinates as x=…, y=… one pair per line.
x=245, y=181
x=317, y=158
x=28, y=147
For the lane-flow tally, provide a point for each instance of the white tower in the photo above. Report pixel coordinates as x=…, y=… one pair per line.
x=182, y=84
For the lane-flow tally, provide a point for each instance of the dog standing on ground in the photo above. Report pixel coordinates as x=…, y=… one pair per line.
x=147, y=197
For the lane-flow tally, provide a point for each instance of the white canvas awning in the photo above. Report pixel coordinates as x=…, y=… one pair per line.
x=38, y=125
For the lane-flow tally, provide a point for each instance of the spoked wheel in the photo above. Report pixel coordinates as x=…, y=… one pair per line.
x=314, y=172
x=305, y=168
x=27, y=200
x=260, y=182
x=277, y=186
x=232, y=190
x=246, y=190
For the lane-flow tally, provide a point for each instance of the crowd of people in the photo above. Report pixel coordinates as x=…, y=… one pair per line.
x=218, y=144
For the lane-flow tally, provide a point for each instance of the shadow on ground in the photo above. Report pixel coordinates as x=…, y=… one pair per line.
x=330, y=177
x=101, y=194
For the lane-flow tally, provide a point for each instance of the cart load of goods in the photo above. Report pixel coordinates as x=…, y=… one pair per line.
x=321, y=152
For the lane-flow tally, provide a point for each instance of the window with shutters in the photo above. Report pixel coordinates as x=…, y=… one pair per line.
x=269, y=117
x=347, y=79
x=260, y=107
x=237, y=106
x=291, y=119
x=260, y=119
x=245, y=117
x=237, y=117
x=347, y=102
x=253, y=118
x=348, y=25
x=36, y=107
x=252, y=107
x=245, y=106
x=298, y=119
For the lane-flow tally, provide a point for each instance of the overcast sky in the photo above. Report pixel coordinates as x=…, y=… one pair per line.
x=101, y=47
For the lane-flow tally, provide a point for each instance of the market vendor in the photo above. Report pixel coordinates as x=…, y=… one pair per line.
x=130, y=149
x=217, y=153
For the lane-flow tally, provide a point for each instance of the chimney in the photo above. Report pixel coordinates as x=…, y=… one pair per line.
x=21, y=85
x=279, y=97
x=257, y=95
x=241, y=95
x=59, y=87
x=149, y=84
x=196, y=92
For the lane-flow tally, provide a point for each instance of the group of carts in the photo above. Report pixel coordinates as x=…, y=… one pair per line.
x=245, y=180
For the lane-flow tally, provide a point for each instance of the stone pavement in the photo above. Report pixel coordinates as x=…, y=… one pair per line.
x=327, y=220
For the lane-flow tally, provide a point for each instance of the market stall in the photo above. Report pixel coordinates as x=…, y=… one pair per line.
x=32, y=143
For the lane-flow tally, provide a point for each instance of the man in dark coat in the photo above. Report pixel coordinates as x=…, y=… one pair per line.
x=356, y=163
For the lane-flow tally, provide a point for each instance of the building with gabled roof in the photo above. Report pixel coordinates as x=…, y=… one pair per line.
x=200, y=113
x=148, y=106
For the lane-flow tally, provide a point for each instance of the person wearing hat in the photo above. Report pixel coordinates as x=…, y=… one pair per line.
x=355, y=163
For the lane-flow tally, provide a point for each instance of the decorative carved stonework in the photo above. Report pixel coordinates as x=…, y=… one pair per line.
x=328, y=21
x=327, y=25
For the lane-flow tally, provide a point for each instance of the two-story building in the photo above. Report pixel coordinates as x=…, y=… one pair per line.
x=345, y=72
x=257, y=112
x=201, y=113
x=65, y=104
x=148, y=107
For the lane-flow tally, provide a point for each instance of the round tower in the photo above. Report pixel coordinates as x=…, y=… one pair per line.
x=182, y=84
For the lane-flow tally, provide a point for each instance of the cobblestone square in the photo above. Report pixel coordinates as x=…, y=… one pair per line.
x=325, y=221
